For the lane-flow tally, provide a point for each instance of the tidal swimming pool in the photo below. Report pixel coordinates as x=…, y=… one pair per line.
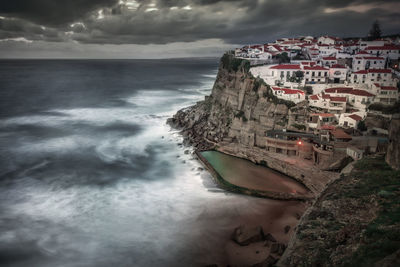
x=244, y=173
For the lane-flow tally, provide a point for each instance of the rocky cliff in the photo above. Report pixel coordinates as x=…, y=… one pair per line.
x=235, y=118
x=393, y=151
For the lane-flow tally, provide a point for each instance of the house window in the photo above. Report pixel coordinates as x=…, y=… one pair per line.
x=359, y=62
x=319, y=73
x=313, y=73
x=272, y=73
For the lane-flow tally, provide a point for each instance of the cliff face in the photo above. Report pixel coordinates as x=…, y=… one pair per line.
x=235, y=118
x=393, y=151
x=240, y=109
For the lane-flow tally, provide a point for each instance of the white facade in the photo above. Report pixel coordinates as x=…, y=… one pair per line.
x=294, y=95
x=338, y=73
x=368, y=62
x=370, y=76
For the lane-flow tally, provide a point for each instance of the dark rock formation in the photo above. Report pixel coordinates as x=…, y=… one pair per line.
x=244, y=235
x=393, y=151
x=268, y=262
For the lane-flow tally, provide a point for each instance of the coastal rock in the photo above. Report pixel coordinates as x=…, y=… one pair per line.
x=286, y=229
x=269, y=237
x=270, y=261
x=244, y=235
x=393, y=151
x=278, y=248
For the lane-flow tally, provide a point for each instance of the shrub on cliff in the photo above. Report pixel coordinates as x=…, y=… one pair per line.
x=230, y=63
x=385, y=109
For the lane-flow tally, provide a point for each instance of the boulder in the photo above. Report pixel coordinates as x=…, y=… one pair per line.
x=269, y=237
x=270, y=261
x=278, y=248
x=244, y=235
x=286, y=229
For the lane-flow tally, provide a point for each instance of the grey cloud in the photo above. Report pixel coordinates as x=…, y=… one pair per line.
x=233, y=21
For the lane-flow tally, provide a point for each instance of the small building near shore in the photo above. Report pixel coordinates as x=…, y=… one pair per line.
x=290, y=143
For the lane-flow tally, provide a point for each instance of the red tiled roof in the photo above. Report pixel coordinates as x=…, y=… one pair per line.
x=339, y=133
x=361, y=72
x=355, y=117
x=385, y=47
x=388, y=88
x=360, y=92
x=338, y=99
x=286, y=67
x=314, y=97
x=379, y=71
x=377, y=58
x=314, y=68
x=343, y=90
x=329, y=58
x=362, y=53
x=288, y=91
x=326, y=115
x=324, y=96
x=348, y=90
x=337, y=66
x=327, y=127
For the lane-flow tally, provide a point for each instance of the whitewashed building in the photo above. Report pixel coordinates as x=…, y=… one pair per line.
x=338, y=73
x=370, y=76
x=294, y=95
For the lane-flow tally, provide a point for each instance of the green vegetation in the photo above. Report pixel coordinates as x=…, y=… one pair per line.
x=299, y=126
x=296, y=77
x=268, y=94
x=308, y=89
x=356, y=222
x=382, y=235
x=257, y=83
x=386, y=109
x=361, y=126
x=375, y=31
x=241, y=115
x=230, y=63
x=283, y=58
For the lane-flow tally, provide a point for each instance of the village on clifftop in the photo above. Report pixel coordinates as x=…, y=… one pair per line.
x=342, y=81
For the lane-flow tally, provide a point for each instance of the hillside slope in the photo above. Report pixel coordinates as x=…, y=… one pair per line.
x=355, y=221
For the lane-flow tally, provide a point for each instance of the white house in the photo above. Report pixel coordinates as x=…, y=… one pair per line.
x=370, y=76
x=349, y=120
x=364, y=44
x=337, y=73
x=294, y=95
x=390, y=51
x=386, y=95
x=326, y=40
x=358, y=98
x=315, y=74
x=331, y=104
x=329, y=61
x=355, y=152
x=368, y=62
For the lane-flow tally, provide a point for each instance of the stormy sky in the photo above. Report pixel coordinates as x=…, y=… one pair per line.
x=176, y=28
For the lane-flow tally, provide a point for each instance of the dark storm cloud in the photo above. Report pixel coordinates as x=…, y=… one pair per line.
x=168, y=21
x=50, y=12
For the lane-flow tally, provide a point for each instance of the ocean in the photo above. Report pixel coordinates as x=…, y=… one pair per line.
x=91, y=174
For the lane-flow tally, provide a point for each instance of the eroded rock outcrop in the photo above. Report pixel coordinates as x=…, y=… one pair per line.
x=393, y=151
x=235, y=118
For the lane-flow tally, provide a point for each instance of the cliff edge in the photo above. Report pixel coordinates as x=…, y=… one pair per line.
x=234, y=119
